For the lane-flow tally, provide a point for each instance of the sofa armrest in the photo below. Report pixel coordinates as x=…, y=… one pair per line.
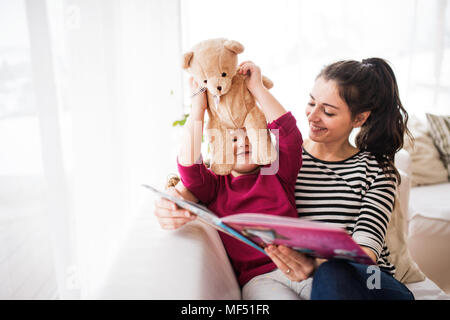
x=188, y=263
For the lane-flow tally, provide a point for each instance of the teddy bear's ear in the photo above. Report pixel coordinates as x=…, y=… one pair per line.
x=234, y=46
x=187, y=57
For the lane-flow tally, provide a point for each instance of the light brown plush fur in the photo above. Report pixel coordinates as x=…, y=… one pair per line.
x=230, y=103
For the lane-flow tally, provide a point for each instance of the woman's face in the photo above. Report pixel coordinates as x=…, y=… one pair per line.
x=328, y=115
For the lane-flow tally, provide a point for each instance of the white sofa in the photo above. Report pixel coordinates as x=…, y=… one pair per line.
x=429, y=204
x=429, y=231
x=191, y=263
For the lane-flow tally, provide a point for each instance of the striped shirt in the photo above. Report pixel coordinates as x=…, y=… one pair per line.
x=354, y=194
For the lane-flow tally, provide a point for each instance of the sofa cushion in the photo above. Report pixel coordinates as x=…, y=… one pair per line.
x=426, y=167
x=440, y=132
x=431, y=201
x=429, y=246
x=429, y=231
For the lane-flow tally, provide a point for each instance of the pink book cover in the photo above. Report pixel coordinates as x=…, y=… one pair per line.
x=317, y=239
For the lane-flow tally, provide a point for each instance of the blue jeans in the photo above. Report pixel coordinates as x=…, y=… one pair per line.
x=341, y=280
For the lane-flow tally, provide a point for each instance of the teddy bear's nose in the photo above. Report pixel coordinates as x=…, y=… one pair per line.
x=219, y=88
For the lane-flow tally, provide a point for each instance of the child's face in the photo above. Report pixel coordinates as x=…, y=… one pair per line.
x=243, y=152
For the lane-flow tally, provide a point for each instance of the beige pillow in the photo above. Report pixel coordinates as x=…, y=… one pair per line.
x=407, y=270
x=440, y=132
x=427, y=167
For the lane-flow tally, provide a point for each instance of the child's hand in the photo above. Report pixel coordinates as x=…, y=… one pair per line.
x=169, y=215
x=254, y=79
x=199, y=101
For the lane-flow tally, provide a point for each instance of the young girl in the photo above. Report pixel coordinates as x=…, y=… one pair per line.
x=245, y=189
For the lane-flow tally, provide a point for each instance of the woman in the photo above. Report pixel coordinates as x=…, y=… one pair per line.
x=352, y=187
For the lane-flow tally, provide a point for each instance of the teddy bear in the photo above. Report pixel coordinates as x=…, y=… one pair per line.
x=214, y=64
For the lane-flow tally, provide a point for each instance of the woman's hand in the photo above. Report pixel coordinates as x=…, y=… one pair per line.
x=295, y=265
x=199, y=101
x=254, y=79
x=169, y=215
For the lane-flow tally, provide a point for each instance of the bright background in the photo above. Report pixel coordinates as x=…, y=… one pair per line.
x=89, y=90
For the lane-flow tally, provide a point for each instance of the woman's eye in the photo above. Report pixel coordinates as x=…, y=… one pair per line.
x=328, y=114
x=205, y=81
x=224, y=74
x=311, y=104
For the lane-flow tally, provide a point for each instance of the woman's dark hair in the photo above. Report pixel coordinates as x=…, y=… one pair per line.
x=370, y=85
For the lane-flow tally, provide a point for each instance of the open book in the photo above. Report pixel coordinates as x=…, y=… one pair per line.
x=316, y=239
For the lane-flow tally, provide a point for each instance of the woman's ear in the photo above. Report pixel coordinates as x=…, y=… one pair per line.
x=360, y=119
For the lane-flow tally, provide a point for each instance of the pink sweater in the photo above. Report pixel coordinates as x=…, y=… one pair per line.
x=253, y=193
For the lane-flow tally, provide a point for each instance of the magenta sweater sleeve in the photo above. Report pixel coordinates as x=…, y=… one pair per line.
x=290, y=147
x=202, y=182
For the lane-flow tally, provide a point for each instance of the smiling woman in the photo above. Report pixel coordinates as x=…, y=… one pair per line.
x=345, y=186
x=368, y=98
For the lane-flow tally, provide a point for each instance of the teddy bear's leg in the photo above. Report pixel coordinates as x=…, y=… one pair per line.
x=221, y=152
x=224, y=155
x=267, y=82
x=263, y=151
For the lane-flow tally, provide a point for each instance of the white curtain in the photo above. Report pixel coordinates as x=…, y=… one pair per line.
x=107, y=87
x=26, y=251
x=120, y=91
x=89, y=90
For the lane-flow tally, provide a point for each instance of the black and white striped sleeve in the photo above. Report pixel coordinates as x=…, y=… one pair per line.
x=376, y=209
